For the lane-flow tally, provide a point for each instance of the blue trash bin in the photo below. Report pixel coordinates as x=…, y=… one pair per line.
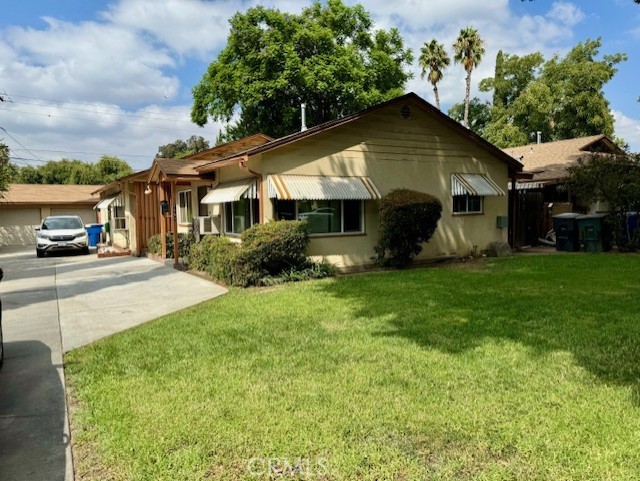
x=94, y=231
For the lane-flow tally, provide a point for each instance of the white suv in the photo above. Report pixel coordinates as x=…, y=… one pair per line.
x=61, y=232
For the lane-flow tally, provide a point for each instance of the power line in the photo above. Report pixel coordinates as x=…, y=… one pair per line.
x=83, y=152
x=84, y=119
x=17, y=142
x=121, y=111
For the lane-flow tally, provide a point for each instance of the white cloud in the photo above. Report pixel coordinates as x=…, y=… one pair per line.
x=85, y=61
x=628, y=129
x=566, y=13
x=185, y=26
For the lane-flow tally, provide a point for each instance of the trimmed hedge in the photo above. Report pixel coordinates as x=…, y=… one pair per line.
x=269, y=254
x=407, y=220
x=185, y=241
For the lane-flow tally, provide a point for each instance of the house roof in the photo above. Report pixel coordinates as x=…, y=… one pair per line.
x=513, y=164
x=139, y=176
x=549, y=160
x=230, y=148
x=175, y=168
x=49, y=194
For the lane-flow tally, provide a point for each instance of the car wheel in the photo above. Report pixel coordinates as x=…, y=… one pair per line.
x=39, y=253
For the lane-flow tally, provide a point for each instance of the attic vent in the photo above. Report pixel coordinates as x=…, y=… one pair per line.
x=405, y=112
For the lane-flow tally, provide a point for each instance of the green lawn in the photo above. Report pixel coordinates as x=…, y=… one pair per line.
x=517, y=368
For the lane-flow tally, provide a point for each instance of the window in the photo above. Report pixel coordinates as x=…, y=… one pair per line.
x=119, y=219
x=240, y=215
x=467, y=204
x=203, y=209
x=324, y=216
x=184, y=207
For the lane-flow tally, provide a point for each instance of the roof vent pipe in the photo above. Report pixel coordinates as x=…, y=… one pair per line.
x=539, y=137
x=303, y=108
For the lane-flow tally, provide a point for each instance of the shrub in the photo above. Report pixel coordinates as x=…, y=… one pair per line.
x=407, y=220
x=270, y=254
x=215, y=256
x=154, y=244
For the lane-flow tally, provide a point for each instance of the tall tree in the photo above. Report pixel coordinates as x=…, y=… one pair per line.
x=434, y=58
x=77, y=172
x=469, y=49
x=479, y=115
x=6, y=169
x=328, y=57
x=180, y=148
x=562, y=97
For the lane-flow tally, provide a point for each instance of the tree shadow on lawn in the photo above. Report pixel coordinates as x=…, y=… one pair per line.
x=562, y=304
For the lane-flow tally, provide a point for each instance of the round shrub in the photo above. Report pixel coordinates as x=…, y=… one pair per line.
x=407, y=220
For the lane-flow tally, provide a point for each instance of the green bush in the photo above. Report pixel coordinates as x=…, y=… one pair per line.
x=407, y=220
x=154, y=244
x=269, y=254
x=215, y=256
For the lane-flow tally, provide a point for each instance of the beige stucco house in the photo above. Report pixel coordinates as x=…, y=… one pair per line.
x=332, y=175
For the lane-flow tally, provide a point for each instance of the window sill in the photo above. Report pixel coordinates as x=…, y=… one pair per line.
x=338, y=234
x=456, y=214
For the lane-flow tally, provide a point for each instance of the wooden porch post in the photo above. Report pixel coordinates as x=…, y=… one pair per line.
x=174, y=224
x=163, y=226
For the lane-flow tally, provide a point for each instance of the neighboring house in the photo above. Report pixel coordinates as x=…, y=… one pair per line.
x=132, y=204
x=332, y=176
x=24, y=206
x=544, y=194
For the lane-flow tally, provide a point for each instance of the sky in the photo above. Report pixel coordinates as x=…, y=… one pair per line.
x=81, y=79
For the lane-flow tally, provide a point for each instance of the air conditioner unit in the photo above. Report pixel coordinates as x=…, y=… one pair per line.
x=209, y=225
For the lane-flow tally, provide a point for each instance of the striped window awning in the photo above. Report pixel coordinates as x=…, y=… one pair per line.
x=232, y=191
x=528, y=185
x=321, y=187
x=474, y=184
x=106, y=202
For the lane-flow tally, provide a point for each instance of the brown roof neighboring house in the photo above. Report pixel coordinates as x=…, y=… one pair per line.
x=224, y=150
x=549, y=161
x=140, y=176
x=51, y=194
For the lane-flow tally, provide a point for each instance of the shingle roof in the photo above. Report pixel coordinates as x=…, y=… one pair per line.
x=180, y=167
x=49, y=194
x=230, y=148
x=288, y=139
x=550, y=160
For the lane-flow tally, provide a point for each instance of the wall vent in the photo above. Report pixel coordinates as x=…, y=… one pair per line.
x=405, y=112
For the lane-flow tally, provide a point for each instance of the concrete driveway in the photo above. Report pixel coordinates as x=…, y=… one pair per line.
x=51, y=306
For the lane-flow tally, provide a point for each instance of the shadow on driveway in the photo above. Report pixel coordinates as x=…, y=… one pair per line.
x=33, y=436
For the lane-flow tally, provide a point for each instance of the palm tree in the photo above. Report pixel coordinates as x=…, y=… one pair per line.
x=435, y=58
x=468, y=50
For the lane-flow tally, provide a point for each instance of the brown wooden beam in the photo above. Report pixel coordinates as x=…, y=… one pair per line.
x=174, y=224
x=163, y=225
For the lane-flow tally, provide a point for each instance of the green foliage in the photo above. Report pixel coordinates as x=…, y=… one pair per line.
x=328, y=57
x=269, y=254
x=479, y=115
x=7, y=170
x=77, y=172
x=185, y=241
x=180, y=148
x=407, y=220
x=611, y=179
x=214, y=255
x=562, y=98
x=271, y=249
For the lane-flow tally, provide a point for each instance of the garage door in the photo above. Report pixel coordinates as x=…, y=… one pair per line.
x=17, y=226
x=88, y=216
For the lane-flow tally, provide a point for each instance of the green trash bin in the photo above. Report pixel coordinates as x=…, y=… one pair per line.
x=566, y=227
x=595, y=232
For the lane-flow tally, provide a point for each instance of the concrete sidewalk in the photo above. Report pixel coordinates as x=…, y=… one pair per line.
x=51, y=306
